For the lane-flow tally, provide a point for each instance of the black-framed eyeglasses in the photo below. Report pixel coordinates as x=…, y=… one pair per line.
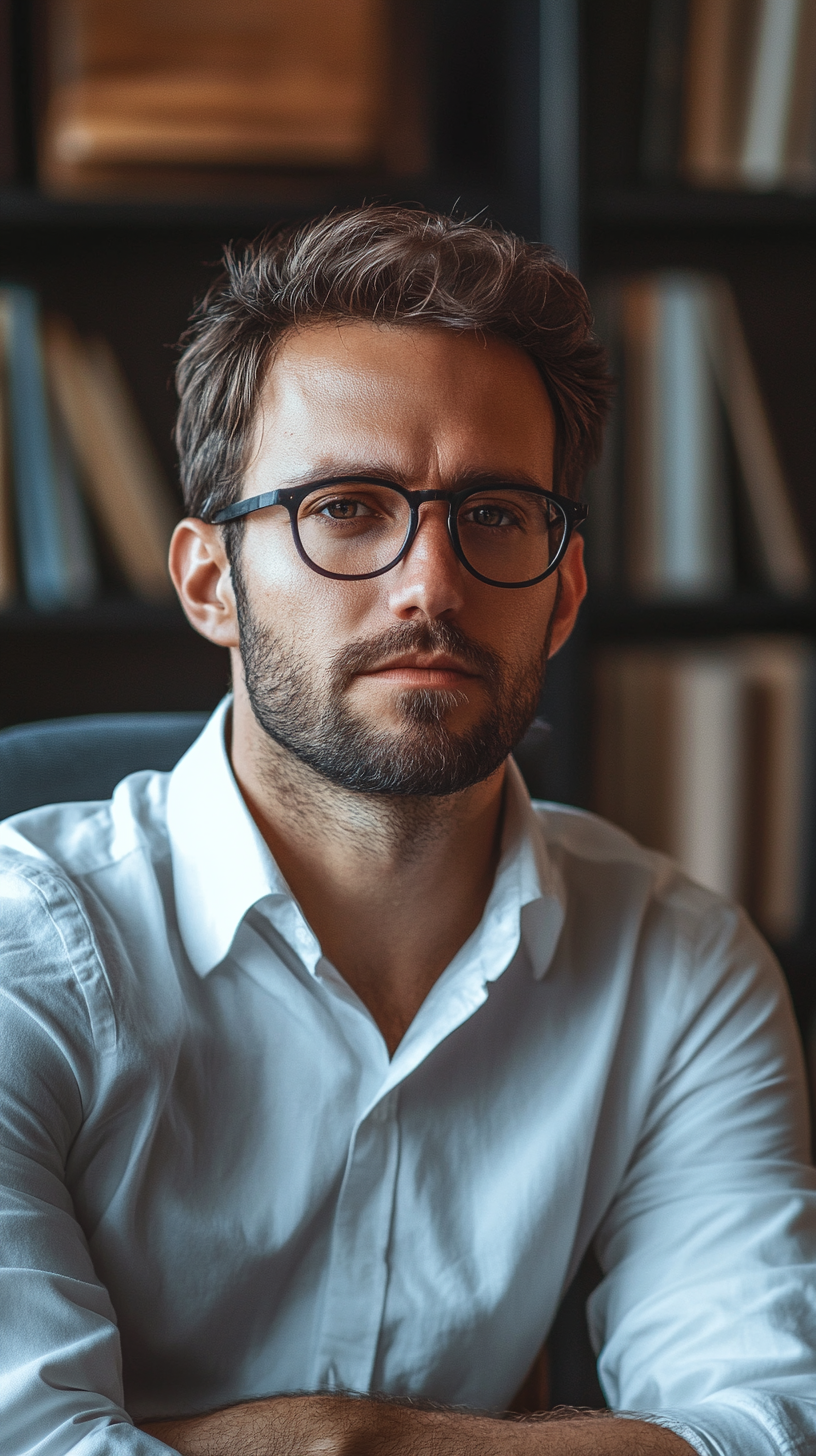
x=352, y=528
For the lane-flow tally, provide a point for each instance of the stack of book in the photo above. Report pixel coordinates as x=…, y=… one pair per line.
x=690, y=491
x=78, y=476
x=706, y=753
x=730, y=93
x=200, y=84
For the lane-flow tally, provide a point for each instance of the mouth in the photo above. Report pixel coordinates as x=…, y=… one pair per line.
x=422, y=670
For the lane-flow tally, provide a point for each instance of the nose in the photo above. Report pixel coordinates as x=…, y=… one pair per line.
x=429, y=581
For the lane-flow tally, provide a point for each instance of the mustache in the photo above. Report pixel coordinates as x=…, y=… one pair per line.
x=428, y=637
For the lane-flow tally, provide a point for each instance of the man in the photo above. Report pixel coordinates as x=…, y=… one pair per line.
x=327, y=1056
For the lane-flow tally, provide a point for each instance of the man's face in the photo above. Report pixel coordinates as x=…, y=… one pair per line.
x=419, y=681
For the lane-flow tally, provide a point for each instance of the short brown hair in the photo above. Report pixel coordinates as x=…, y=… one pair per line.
x=394, y=265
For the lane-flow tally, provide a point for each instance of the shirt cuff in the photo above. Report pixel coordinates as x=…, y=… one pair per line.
x=750, y=1423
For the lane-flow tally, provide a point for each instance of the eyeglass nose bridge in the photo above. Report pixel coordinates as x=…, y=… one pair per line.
x=416, y=500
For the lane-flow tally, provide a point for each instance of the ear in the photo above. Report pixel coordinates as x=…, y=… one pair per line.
x=202, y=577
x=573, y=583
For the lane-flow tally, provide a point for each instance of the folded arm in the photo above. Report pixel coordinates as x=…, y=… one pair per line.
x=328, y=1425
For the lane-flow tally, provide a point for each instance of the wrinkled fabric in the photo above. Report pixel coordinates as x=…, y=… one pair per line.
x=216, y=1185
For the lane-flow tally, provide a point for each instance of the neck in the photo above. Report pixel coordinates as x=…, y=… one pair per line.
x=392, y=886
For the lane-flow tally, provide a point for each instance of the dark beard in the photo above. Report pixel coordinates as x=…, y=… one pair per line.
x=423, y=759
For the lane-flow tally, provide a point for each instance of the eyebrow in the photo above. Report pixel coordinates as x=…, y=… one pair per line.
x=332, y=472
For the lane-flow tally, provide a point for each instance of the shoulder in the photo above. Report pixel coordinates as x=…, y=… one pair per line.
x=589, y=850
x=72, y=876
x=648, y=914
x=82, y=838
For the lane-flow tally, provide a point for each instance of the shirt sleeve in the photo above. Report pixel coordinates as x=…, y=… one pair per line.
x=60, y=1361
x=706, y=1317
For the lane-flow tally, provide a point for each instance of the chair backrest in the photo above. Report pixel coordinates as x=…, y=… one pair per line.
x=84, y=758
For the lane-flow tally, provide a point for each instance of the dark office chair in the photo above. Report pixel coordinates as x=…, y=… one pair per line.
x=84, y=758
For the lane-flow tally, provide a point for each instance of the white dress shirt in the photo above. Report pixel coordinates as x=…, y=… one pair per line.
x=216, y=1185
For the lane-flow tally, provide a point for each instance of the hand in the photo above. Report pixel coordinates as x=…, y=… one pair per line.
x=329, y=1425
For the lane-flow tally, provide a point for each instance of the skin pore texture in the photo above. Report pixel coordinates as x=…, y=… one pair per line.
x=370, y=729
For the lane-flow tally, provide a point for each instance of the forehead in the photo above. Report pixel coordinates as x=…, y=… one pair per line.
x=416, y=394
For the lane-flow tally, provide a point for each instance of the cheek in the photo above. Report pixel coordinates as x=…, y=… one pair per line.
x=299, y=604
x=515, y=623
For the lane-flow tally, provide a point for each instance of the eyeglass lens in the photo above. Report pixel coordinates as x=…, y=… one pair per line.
x=505, y=534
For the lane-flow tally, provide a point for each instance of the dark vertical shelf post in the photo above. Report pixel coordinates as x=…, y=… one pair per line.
x=560, y=127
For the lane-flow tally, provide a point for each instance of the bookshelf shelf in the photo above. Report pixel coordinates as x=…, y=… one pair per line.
x=687, y=208
x=613, y=618
x=27, y=207
x=118, y=614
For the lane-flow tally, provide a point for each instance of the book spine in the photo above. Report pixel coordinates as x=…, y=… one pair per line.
x=777, y=731
x=779, y=539
x=693, y=555
x=707, y=151
x=82, y=575
x=42, y=549
x=800, y=145
x=762, y=164
x=707, y=777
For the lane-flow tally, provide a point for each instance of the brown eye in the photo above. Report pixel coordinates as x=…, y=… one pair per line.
x=488, y=516
x=341, y=509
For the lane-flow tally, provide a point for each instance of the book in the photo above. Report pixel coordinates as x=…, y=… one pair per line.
x=676, y=508
x=691, y=416
x=663, y=91
x=667, y=756
x=632, y=714
x=706, y=754
x=693, y=548
x=121, y=477
x=720, y=35
x=297, y=84
x=778, y=732
x=82, y=578
x=771, y=91
x=800, y=143
x=778, y=535
x=44, y=553
x=707, y=803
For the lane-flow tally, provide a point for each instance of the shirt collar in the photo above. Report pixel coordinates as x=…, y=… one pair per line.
x=528, y=899
x=221, y=864
x=222, y=867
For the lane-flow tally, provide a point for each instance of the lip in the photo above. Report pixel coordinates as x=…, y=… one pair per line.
x=418, y=670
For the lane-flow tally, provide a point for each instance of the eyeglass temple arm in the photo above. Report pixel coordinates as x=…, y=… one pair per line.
x=245, y=507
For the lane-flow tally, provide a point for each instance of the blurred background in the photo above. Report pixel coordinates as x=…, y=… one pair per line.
x=665, y=148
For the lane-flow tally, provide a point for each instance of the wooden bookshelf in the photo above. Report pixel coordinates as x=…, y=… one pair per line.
x=763, y=243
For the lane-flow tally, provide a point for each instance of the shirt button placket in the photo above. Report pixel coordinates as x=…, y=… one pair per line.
x=358, y=1265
